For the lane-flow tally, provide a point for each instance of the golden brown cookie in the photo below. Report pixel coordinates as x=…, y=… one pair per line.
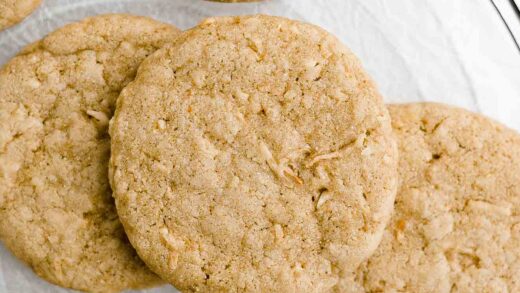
x=56, y=98
x=456, y=226
x=253, y=154
x=14, y=11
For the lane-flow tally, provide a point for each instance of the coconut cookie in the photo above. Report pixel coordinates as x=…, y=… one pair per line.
x=253, y=154
x=456, y=227
x=56, y=98
x=14, y=11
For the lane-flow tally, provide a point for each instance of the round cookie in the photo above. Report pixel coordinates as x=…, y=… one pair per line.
x=14, y=11
x=56, y=98
x=456, y=226
x=253, y=154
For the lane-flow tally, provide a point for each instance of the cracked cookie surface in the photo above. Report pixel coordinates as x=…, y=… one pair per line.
x=456, y=226
x=14, y=11
x=56, y=98
x=253, y=154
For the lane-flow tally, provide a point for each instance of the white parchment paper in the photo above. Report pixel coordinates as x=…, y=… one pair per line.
x=457, y=52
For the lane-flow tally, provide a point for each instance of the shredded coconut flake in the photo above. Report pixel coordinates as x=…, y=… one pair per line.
x=281, y=170
x=324, y=197
x=161, y=124
x=241, y=95
x=290, y=173
x=169, y=240
x=198, y=78
x=278, y=232
x=328, y=156
x=101, y=117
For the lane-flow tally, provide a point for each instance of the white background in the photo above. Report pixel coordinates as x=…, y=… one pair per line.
x=457, y=52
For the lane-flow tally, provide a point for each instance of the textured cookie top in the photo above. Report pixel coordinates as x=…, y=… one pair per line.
x=56, y=98
x=253, y=153
x=456, y=227
x=13, y=11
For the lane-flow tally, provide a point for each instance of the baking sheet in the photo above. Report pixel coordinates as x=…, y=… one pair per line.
x=457, y=52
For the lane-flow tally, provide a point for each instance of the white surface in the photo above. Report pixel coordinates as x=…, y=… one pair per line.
x=457, y=52
x=507, y=10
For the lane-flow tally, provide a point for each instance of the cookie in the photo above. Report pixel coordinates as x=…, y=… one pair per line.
x=456, y=226
x=253, y=154
x=14, y=11
x=56, y=98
